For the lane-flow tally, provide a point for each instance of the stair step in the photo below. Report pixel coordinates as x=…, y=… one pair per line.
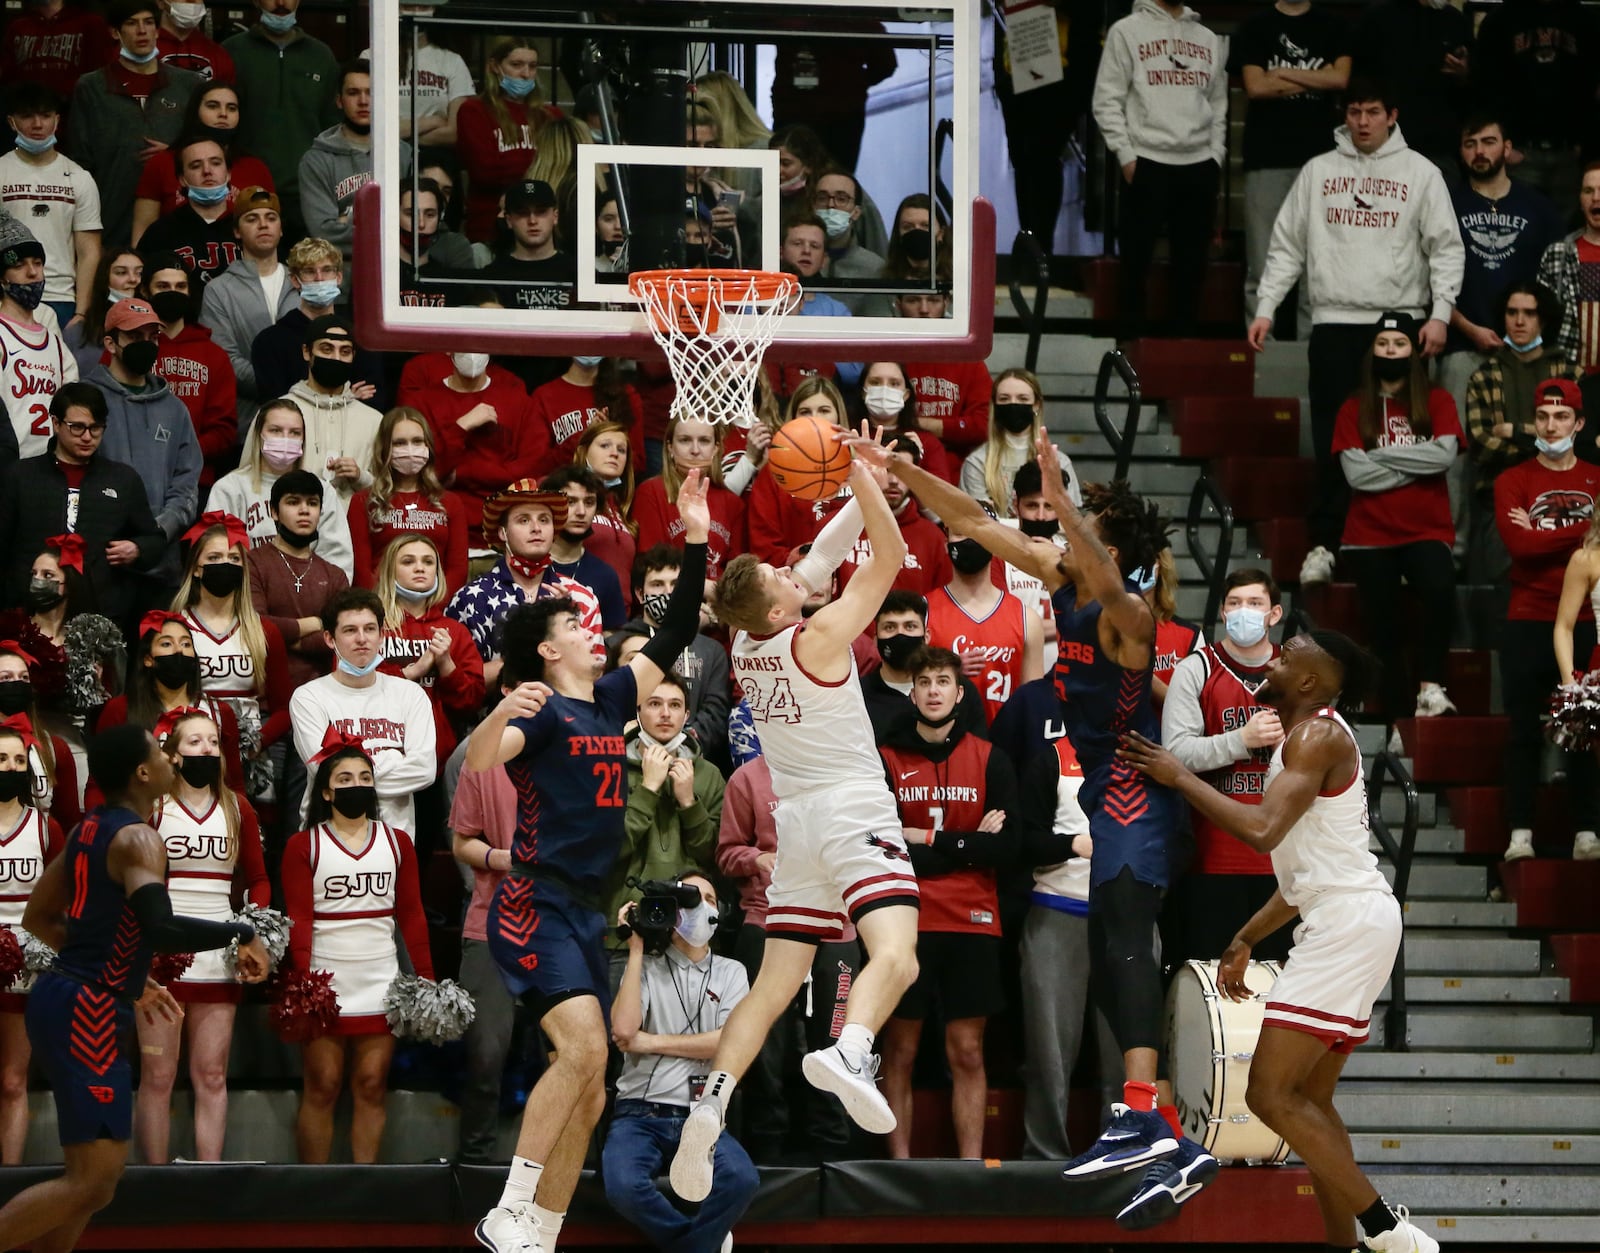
x=1460, y=913
x=1193, y=367
x=1553, y=893
x=1145, y=477
x=1214, y=426
x=1264, y=487
x=1433, y=842
x=1058, y=354
x=1484, y=989
x=1488, y=1107
x=1443, y=880
x=1512, y=1231
x=1458, y=749
x=1393, y=810
x=1445, y=953
x=1460, y=1192
x=1578, y=958
x=1088, y=448
x=1545, y=1067
x=1496, y=1029
x=1411, y=1148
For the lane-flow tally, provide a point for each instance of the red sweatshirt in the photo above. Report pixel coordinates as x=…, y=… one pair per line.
x=200, y=374
x=492, y=165
x=1559, y=504
x=55, y=51
x=957, y=393
x=447, y=524
x=927, y=564
x=482, y=461
x=613, y=543
x=564, y=410
x=461, y=694
x=658, y=522
x=1415, y=511
x=777, y=521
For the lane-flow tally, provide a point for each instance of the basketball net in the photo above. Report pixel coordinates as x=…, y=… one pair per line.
x=714, y=326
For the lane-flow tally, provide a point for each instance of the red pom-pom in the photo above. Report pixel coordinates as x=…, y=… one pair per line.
x=168, y=968
x=12, y=961
x=305, y=1006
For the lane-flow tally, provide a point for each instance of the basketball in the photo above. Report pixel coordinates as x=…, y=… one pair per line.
x=807, y=460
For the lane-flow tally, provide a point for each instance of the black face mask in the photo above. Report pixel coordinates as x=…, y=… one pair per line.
x=896, y=650
x=200, y=771
x=330, y=372
x=15, y=785
x=917, y=244
x=139, y=357
x=16, y=696
x=968, y=556
x=1391, y=369
x=170, y=305
x=44, y=595
x=293, y=538
x=355, y=802
x=1014, y=418
x=1038, y=528
x=222, y=578
x=936, y=723
x=176, y=672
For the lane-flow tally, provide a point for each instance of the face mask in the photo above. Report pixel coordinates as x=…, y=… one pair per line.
x=45, y=594
x=15, y=785
x=355, y=802
x=1536, y=342
x=884, y=401
x=406, y=593
x=949, y=717
x=185, y=17
x=416, y=245
x=113, y=296
x=896, y=650
x=1245, y=627
x=588, y=363
x=1560, y=448
x=16, y=696
x=36, y=146
x=470, y=365
x=527, y=567
x=206, y=195
x=175, y=672
x=1039, y=528
x=360, y=672
x=281, y=453
x=330, y=373
x=28, y=295
x=797, y=183
x=138, y=59
x=917, y=244
x=835, y=221
x=518, y=88
x=200, y=771
x=968, y=556
x=139, y=357
x=322, y=293
x=278, y=23
x=654, y=606
x=1146, y=577
x=696, y=925
x=293, y=538
x=1014, y=418
x=1391, y=369
x=170, y=306
x=408, y=463
x=222, y=578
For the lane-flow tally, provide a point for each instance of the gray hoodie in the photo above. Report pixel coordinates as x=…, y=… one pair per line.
x=1162, y=88
x=234, y=306
x=330, y=173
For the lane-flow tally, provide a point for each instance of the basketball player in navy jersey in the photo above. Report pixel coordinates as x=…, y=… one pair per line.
x=1313, y=820
x=559, y=735
x=103, y=906
x=1106, y=635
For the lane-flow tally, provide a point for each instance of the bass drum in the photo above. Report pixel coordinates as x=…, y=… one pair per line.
x=1210, y=1042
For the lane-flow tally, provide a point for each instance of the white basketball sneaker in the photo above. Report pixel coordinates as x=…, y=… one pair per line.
x=509, y=1229
x=1317, y=567
x=693, y=1163
x=1404, y=1238
x=829, y=1070
x=1586, y=846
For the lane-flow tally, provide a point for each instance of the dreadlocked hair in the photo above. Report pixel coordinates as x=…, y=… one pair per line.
x=1358, y=668
x=1128, y=522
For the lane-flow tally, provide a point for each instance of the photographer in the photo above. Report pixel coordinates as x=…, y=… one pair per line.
x=667, y=1019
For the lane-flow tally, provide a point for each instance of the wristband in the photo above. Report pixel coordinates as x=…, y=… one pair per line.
x=488, y=852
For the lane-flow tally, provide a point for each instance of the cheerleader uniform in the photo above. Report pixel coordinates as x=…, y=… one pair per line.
x=25, y=851
x=200, y=874
x=115, y=712
x=59, y=799
x=228, y=673
x=345, y=906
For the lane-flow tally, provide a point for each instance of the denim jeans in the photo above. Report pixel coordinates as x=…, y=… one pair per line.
x=642, y=1139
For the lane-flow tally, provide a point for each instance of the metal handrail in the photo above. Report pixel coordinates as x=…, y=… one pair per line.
x=942, y=134
x=1387, y=765
x=1213, y=570
x=1030, y=265
x=1121, y=441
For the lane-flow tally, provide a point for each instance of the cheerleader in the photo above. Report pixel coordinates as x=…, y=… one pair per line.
x=346, y=882
x=50, y=762
x=212, y=839
x=29, y=841
x=242, y=659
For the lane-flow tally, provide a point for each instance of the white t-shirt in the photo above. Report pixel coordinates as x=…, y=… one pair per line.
x=52, y=201
x=272, y=285
x=441, y=76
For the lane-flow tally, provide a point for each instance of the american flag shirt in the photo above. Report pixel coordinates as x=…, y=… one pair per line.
x=482, y=603
x=1588, y=305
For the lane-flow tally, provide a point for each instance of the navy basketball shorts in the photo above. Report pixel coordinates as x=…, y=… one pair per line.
x=80, y=1036
x=549, y=948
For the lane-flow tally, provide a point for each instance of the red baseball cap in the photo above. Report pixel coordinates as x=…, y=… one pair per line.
x=1562, y=392
x=130, y=315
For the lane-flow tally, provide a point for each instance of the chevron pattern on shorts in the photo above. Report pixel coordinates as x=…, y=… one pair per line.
x=93, y=1039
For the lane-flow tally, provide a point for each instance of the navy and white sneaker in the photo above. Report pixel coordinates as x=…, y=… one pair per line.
x=1135, y=1138
x=1167, y=1185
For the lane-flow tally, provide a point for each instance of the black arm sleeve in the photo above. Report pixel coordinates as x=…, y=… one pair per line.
x=983, y=848
x=681, y=621
x=1040, y=843
x=176, y=933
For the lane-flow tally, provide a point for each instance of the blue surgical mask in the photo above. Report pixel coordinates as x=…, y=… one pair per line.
x=696, y=925
x=360, y=672
x=36, y=146
x=406, y=593
x=321, y=293
x=1245, y=627
x=1146, y=577
x=1536, y=342
x=278, y=23
x=114, y=296
x=1560, y=448
x=588, y=363
x=206, y=195
x=518, y=88
x=835, y=221
x=141, y=60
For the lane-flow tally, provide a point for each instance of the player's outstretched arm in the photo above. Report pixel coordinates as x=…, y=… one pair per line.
x=1318, y=756
x=137, y=860
x=834, y=626
x=681, y=620
x=494, y=741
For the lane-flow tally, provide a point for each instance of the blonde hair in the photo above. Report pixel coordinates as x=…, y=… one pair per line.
x=250, y=456
x=383, y=477
x=1164, y=595
x=394, y=614
x=251, y=633
x=556, y=162
x=737, y=122
x=814, y=385
x=671, y=476
x=739, y=599
x=619, y=499
x=310, y=252
x=499, y=50
x=994, y=479
x=219, y=789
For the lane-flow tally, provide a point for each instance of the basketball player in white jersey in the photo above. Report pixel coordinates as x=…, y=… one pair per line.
x=34, y=362
x=840, y=851
x=1313, y=821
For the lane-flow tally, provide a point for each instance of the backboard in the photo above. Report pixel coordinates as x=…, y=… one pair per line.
x=638, y=72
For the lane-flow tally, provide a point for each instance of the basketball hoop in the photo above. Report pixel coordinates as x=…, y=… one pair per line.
x=714, y=326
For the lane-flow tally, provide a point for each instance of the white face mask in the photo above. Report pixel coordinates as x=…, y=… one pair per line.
x=884, y=401
x=408, y=462
x=696, y=925
x=186, y=17
x=470, y=365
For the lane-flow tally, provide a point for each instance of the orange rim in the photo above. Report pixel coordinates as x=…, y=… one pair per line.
x=690, y=301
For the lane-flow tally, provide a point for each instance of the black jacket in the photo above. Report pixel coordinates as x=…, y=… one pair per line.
x=891, y=712
x=951, y=850
x=111, y=506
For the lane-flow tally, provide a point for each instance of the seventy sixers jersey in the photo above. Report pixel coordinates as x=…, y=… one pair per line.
x=34, y=363
x=1227, y=701
x=105, y=948
x=1000, y=635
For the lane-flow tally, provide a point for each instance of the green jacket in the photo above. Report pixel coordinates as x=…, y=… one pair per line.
x=659, y=839
x=285, y=100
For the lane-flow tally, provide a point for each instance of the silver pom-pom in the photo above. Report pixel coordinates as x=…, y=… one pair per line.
x=420, y=1009
x=95, y=651
x=37, y=955
x=272, y=929
x=1574, y=718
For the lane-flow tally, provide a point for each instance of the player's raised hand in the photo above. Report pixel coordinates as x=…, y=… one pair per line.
x=694, y=506
x=525, y=700
x=1148, y=757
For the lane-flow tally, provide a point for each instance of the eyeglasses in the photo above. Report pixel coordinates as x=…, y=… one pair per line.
x=833, y=200
x=80, y=429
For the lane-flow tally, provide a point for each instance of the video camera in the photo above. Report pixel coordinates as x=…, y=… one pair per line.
x=655, y=913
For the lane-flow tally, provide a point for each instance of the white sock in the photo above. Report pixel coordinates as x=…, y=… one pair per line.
x=549, y=1225
x=521, y=1183
x=1517, y=832
x=855, y=1042
x=719, y=1087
